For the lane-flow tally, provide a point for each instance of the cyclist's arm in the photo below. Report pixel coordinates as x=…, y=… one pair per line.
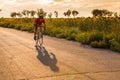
x=44, y=24
x=36, y=21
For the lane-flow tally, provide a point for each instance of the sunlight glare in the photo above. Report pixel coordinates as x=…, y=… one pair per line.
x=44, y=1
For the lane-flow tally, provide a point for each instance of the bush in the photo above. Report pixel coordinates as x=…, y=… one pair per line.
x=11, y=25
x=96, y=36
x=83, y=38
x=100, y=44
x=117, y=37
x=18, y=26
x=107, y=37
x=115, y=45
x=30, y=29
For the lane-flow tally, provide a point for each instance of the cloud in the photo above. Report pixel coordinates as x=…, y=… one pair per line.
x=23, y=1
x=83, y=6
x=114, y=6
x=58, y=0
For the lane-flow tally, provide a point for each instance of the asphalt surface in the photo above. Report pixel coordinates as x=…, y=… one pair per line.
x=58, y=59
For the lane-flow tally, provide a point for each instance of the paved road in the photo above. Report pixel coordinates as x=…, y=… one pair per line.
x=58, y=59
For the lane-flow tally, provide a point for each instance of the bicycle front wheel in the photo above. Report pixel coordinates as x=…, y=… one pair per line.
x=40, y=38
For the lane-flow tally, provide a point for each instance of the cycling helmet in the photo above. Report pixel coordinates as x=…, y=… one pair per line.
x=41, y=17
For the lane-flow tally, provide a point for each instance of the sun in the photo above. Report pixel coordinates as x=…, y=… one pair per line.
x=45, y=1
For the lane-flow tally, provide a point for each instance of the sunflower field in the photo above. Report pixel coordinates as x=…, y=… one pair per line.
x=102, y=32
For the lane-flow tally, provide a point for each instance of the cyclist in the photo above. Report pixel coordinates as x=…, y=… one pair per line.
x=38, y=23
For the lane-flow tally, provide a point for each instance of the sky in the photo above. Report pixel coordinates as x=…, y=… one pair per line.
x=84, y=7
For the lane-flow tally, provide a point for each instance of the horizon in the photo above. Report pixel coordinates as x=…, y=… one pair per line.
x=84, y=7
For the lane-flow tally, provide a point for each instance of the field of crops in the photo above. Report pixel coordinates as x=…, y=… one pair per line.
x=97, y=32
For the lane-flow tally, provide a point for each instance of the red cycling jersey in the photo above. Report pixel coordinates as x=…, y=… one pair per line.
x=39, y=21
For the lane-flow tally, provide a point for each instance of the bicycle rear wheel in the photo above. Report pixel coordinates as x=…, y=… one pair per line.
x=40, y=39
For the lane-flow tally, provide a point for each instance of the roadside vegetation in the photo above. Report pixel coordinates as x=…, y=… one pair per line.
x=100, y=31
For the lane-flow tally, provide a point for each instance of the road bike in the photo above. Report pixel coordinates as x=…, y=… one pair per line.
x=39, y=36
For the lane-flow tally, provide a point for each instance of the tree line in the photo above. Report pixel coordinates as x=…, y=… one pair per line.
x=32, y=13
x=104, y=13
x=68, y=13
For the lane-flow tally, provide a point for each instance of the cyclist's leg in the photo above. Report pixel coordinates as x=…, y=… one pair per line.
x=41, y=36
x=40, y=28
x=35, y=30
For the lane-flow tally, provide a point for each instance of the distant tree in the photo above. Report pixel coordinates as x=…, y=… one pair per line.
x=19, y=14
x=110, y=13
x=41, y=12
x=115, y=14
x=101, y=13
x=75, y=13
x=13, y=14
x=32, y=13
x=104, y=12
x=65, y=14
x=27, y=13
x=0, y=10
x=24, y=12
x=68, y=13
x=56, y=14
x=50, y=15
x=96, y=13
x=45, y=14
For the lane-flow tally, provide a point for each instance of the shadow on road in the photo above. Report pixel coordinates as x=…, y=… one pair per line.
x=47, y=59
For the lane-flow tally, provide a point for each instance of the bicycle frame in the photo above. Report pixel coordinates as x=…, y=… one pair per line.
x=39, y=37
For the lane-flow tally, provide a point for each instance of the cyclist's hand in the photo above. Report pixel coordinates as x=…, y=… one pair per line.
x=44, y=28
